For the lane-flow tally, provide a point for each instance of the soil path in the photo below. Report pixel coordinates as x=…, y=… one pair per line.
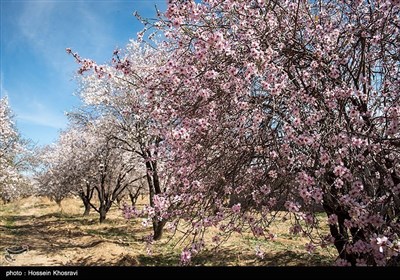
x=55, y=238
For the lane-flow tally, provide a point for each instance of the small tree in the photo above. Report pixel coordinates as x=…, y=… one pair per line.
x=53, y=175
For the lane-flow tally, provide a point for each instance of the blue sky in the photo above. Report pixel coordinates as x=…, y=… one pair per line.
x=37, y=74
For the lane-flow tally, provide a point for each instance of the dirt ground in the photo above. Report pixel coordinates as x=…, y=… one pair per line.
x=62, y=237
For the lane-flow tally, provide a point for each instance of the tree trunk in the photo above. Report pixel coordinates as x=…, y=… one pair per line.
x=119, y=199
x=85, y=200
x=58, y=201
x=87, y=209
x=339, y=232
x=158, y=227
x=103, y=209
x=6, y=200
x=154, y=189
x=103, y=214
x=134, y=197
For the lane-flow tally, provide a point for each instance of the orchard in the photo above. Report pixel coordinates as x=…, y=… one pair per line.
x=227, y=115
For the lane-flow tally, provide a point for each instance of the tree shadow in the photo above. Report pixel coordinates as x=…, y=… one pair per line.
x=11, y=219
x=123, y=260
x=288, y=258
x=46, y=235
x=118, y=233
x=230, y=257
x=169, y=259
x=52, y=233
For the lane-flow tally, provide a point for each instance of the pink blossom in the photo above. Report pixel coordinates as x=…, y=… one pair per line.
x=273, y=174
x=314, y=64
x=259, y=252
x=310, y=248
x=295, y=229
x=292, y=206
x=382, y=242
x=332, y=219
x=361, y=262
x=342, y=262
x=340, y=170
x=236, y=208
x=186, y=257
x=216, y=239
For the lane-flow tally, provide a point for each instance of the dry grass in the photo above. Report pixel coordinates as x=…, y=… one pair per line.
x=67, y=238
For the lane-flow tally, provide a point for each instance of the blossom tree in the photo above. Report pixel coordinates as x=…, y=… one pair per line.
x=13, y=156
x=64, y=166
x=284, y=102
x=115, y=92
x=112, y=170
x=83, y=163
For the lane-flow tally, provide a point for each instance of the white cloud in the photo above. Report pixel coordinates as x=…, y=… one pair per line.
x=34, y=21
x=50, y=27
x=35, y=112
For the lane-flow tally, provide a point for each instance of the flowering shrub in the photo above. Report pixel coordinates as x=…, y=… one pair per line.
x=285, y=101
